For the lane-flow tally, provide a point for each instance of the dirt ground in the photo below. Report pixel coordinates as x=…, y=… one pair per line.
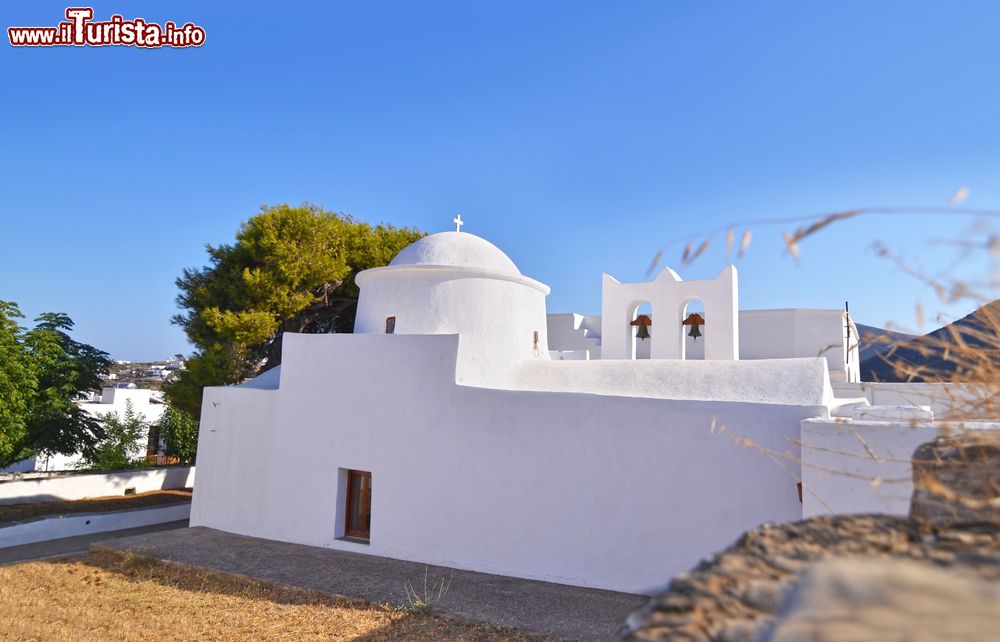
x=110, y=596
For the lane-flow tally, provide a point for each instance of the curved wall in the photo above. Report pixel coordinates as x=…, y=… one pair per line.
x=497, y=316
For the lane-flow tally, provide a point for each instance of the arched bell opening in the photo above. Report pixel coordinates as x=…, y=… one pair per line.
x=692, y=320
x=640, y=330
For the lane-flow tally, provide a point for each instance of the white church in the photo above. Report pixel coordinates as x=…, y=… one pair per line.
x=460, y=425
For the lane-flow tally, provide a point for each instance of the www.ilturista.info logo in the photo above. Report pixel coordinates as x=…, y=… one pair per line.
x=79, y=30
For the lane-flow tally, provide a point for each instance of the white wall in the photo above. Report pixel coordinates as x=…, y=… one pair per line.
x=668, y=296
x=116, y=399
x=842, y=459
x=497, y=315
x=81, y=486
x=55, y=462
x=49, y=528
x=586, y=489
x=763, y=334
x=797, y=382
x=949, y=401
x=574, y=333
x=770, y=334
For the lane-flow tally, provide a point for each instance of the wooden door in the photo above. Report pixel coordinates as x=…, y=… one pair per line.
x=359, y=504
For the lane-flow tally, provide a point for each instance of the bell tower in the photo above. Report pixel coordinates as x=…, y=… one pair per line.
x=668, y=295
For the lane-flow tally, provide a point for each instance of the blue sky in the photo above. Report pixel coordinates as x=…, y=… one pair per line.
x=577, y=136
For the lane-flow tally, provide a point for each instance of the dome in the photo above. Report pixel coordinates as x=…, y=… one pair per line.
x=458, y=249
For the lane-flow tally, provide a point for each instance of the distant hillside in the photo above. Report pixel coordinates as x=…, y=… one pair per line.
x=930, y=351
x=875, y=341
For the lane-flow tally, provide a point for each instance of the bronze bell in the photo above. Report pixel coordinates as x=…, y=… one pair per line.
x=694, y=320
x=643, y=321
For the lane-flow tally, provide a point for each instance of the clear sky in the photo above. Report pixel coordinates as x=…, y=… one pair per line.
x=577, y=136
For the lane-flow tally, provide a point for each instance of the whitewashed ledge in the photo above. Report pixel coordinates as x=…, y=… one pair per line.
x=57, y=527
x=84, y=485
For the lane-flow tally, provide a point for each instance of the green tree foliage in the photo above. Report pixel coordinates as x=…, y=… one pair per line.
x=42, y=370
x=122, y=444
x=291, y=269
x=64, y=367
x=17, y=385
x=180, y=432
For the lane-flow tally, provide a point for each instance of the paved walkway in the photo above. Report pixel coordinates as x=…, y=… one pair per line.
x=567, y=612
x=78, y=545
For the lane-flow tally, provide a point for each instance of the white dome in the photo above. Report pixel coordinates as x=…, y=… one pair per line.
x=459, y=249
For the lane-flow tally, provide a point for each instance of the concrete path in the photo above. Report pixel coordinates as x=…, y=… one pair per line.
x=79, y=545
x=557, y=610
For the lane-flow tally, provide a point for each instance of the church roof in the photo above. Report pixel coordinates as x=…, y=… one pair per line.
x=456, y=249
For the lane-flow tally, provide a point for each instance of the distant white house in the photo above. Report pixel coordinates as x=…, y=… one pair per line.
x=146, y=403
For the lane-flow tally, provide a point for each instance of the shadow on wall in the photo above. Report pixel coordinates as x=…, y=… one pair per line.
x=175, y=477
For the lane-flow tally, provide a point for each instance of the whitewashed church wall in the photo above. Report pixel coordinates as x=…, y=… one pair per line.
x=668, y=295
x=609, y=492
x=569, y=355
x=497, y=318
x=764, y=334
x=839, y=471
x=801, y=382
x=769, y=334
x=570, y=333
x=947, y=400
x=238, y=455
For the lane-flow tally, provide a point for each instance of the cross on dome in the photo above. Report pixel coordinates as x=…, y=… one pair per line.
x=458, y=223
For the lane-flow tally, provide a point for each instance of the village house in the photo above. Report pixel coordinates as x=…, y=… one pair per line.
x=147, y=404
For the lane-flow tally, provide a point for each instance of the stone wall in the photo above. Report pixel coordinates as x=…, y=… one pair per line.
x=819, y=578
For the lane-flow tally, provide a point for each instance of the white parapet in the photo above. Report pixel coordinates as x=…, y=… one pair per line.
x=81, y=486
x=892, y=413
x=58, y=527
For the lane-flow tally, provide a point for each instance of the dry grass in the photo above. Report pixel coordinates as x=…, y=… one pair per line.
x=108, y=596
x=18, y=512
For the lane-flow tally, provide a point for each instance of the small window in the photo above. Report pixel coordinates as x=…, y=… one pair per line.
x=358, y=520
x=390, y=325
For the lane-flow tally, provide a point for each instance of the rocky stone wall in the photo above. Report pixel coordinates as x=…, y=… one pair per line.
x=808, y=580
